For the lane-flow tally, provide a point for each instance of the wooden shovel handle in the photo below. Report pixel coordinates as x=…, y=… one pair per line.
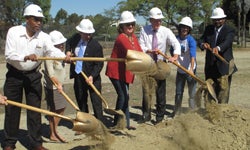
x=63, y=93
x=218, y=55
x=96, y=91
x=83, y=59
x=28, y=107
x=184, y=69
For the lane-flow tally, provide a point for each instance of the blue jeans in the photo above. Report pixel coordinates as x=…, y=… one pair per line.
x=180, y=84
x=122, y=102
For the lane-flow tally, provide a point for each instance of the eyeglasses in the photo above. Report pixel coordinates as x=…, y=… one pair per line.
x=130, y=24
x=86, y=34
x=37, y=19
x=219, y=19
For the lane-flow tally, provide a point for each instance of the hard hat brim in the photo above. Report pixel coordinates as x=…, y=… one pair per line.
x=60, y=41
x=39, y=16
x=158, y=17
x=218, y=17
x=186, y=25
x=127, y=21
x=85, y=31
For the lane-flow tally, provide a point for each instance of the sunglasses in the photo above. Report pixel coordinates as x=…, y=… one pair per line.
x=37, y=19
x=86, y=34
x=129, y=24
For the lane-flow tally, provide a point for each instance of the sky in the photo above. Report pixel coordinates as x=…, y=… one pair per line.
x=84, y=7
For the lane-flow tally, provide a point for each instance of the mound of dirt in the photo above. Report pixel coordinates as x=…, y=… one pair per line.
x=223, y=127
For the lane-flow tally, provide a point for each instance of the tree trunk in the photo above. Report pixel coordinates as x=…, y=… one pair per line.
x=244, y=31
x=238, y=37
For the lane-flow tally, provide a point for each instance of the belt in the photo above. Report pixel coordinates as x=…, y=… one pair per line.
x=13, y=69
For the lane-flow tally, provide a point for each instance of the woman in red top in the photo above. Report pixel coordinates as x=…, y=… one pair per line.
x=116, y=71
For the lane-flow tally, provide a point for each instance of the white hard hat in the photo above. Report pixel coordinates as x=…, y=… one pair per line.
x=155, y=13
x=85, y=26
x=126, y=17
x=57, y=37
x=33, y=10
x=218, y=13
x=187, y=21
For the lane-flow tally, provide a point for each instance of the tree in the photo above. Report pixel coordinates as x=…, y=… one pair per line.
x=61, y=17
x=198, y=10
x=238, y=11
x=73, y=19
x=12, y=11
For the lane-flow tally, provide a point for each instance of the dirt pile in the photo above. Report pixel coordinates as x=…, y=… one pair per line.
x=197, y=130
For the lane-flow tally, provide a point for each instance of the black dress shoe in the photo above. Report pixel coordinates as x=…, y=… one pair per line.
x=144, y=119
x=157, y=121
x=131, y=128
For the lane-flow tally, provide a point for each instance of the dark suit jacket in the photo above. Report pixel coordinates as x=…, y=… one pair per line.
x=224, y=41
x=93, y=49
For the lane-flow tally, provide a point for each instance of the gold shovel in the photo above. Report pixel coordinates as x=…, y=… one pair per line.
x=84, y=122
x=204, y=83
x=63, y=93
x=208, y=47
x=135, y=61
x=218, y=55
x=79, y=115
x=106, y=109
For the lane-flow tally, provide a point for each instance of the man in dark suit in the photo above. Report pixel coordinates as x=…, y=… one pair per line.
x=83, y=45
x=218, y=39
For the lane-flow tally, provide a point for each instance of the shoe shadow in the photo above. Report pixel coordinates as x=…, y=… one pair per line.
x=81, y=148
x=137, y=117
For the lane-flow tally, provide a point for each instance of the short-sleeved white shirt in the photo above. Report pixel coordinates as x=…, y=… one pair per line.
x=19, y=44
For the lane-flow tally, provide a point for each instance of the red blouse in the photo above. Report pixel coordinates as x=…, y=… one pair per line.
x=117, y=70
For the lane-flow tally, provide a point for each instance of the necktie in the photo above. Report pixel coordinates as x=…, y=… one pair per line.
x=154, y=45
x=216, y=35
x=78, y=67
x=216, y=32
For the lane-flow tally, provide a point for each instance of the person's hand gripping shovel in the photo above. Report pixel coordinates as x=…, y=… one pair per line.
x=205, y=84
x=91, y=123
x=215, y=52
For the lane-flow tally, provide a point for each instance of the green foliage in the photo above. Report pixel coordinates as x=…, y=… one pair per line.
x=61, y=17
x=11, y=13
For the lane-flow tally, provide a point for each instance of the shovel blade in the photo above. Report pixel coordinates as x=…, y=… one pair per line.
x=139, y=62
x=211, y=90
x=85, y=122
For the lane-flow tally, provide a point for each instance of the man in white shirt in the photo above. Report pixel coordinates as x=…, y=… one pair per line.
x=24, y=43
x=164, y=37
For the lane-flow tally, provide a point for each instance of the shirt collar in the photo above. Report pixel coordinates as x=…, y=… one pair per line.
x=155, y=30
x=24, y=33
x=218, y=30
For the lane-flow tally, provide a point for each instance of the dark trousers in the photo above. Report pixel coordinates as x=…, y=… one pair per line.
x=13, y=88
x=160, y=92
x=160, y=99
x=221, y=83
x=122, y=102
x=81, y=89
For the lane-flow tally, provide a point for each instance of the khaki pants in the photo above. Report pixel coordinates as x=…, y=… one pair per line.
x=222, y=88
x=148, y=89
